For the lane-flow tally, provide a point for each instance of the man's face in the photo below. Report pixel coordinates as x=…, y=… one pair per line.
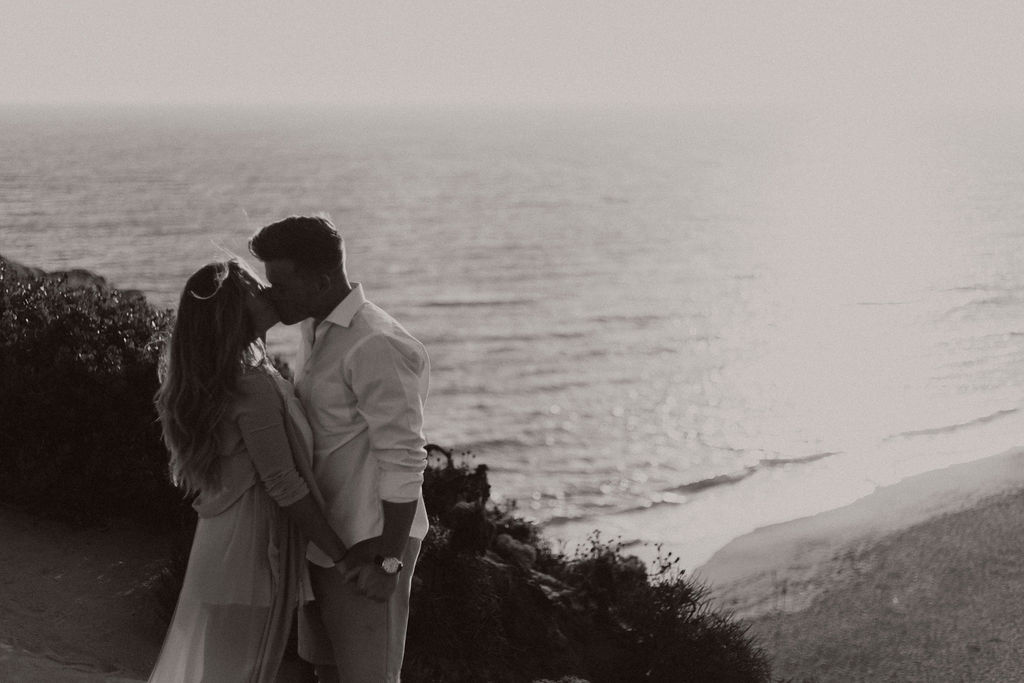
x=293, y=293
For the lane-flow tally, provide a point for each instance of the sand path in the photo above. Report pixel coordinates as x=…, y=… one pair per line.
x=73, y=603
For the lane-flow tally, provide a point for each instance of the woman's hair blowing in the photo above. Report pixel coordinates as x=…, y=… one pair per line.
x=211, y=342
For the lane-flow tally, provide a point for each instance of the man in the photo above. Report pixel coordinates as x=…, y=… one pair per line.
x=363, y=381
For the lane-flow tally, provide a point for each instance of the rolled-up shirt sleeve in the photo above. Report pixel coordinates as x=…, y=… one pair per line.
x=261, y=422
x=389, y=380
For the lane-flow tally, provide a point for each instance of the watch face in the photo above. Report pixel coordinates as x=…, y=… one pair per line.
x=391, y=565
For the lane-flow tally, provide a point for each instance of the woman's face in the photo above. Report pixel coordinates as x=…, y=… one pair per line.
x=261, y=311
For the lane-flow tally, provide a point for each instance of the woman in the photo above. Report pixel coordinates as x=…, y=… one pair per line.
x=237, y=439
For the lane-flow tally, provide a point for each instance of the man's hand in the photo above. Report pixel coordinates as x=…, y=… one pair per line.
x=372, y=581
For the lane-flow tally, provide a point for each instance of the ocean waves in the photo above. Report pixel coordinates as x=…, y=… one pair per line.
x=953, y=428
x=718, y=343
x=606, y=497
x=477, y=303
x=608, y=493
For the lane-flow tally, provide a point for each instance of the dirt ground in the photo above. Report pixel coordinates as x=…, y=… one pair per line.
x=74, y=604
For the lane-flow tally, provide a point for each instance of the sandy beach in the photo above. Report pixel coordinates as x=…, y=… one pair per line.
x=918, y=581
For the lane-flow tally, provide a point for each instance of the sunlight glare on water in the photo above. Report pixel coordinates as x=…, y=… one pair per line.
x=674, y=324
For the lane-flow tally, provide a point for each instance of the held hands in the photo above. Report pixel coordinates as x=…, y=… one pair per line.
x=359, y=567
x=371, y=581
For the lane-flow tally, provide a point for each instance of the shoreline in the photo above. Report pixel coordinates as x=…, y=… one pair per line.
x=699, y=527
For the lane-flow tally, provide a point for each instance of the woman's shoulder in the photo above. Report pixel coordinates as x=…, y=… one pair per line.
x=254, y=395
x=257, y=383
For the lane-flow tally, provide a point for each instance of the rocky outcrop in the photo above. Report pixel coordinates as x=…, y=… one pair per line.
x=75, y=277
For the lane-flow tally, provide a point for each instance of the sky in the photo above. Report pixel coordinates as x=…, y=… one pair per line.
x=530, y=52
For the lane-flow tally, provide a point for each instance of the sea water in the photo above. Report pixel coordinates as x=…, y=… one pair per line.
x=670, y=326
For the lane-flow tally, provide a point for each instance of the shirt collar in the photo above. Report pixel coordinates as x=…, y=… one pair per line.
x=346, y=310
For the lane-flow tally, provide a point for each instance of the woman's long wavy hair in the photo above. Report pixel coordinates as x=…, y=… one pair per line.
x=212, y=342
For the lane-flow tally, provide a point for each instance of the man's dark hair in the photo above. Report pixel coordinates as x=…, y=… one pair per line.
x=310, y=241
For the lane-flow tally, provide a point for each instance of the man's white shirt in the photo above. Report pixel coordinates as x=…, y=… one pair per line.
x=363, y=381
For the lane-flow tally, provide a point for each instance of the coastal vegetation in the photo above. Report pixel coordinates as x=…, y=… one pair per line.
x=492, y=600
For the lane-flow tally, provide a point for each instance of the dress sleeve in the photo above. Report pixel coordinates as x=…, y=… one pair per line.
x=261, y=422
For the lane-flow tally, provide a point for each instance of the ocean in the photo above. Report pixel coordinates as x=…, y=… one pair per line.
x=668, y=326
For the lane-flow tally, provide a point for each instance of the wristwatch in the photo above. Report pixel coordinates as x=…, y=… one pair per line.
x=389, y=565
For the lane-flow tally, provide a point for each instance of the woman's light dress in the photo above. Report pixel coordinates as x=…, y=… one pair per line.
x=246, y=573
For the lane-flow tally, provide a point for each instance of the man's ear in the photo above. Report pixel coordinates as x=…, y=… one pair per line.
x=323, y=283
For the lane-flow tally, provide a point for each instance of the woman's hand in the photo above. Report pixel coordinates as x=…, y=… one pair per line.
x=372, y=581
x=342, y=567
